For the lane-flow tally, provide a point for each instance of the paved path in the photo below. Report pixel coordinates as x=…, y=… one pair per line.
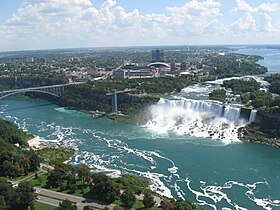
x=157, y=199
x=49, y=201
x=81, y=202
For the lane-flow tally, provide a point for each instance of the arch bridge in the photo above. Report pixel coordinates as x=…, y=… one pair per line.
x=54, y=90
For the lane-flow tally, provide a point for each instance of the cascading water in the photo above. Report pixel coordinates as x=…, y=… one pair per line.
x=218, y=109
x=253, y=116
x=190, y=113
x=196, y=118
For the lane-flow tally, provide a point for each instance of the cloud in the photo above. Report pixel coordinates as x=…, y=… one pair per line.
x=243, y=6
x=79, y=23
x=246, y=23
x=196, y=8
x=255, y=18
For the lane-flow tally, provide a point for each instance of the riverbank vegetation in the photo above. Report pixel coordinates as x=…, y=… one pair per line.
x=52, y=156
x=133, y=97
x=257, y=133
x=10, y=133
x=274, y=81
x=249, y=92
x=15, y=159
x=267, y=128
x=218, y=95
x=232, y=64
x=76, y=180
x=240, y=86
x=15, y=198
x=80, y=181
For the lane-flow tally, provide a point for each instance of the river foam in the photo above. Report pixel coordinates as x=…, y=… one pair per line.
x=115, y=151
x=216, y=194
x=196, y=118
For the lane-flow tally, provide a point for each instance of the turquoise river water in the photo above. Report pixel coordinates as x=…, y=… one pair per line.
x=215, y=174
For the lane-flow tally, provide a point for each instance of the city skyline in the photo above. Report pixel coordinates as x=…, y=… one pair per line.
x=49, y=24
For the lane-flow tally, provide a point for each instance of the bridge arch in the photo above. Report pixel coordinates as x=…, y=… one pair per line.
x=25, y=91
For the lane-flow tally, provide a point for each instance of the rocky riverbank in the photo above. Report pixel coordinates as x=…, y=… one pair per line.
x=253, y=133
x=37, y=143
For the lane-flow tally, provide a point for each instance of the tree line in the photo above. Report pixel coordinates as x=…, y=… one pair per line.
x=15, y=161
x=106, y=189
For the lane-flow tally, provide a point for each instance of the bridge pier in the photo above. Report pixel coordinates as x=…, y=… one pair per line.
x=114, y=101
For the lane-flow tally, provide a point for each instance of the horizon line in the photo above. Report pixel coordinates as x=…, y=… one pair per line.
x=135, y=46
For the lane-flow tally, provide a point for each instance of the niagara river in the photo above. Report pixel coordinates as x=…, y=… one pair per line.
x=189, y=149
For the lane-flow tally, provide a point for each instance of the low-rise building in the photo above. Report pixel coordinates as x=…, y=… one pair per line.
x=130, y=73
x=119, y=74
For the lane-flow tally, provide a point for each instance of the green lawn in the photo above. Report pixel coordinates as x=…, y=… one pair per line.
x=138, y=205
x=42, y=182
x=41, y=206
x=22, y=176
x=53, y=156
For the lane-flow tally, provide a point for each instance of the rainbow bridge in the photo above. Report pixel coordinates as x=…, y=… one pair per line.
x=54, y=90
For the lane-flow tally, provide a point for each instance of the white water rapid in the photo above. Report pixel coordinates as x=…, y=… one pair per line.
x=196, y=118
x=199, y=118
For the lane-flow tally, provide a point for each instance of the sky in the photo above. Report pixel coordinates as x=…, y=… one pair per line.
x=52, y=24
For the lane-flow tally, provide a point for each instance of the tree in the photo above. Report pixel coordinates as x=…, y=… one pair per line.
x=34, y=161
x=25, y=196
x=167, y=205
x=72, y=188
x=128, y=198
x=60, y=173
x=218, y=94
x=106, y=190
x=3, y=205
x=7, y=192
x=261, y=99
x=84, y=173
x=88, y=208
x=62, y=186
x=135, y=183
x=66, y=205
x=148, y=199
x=185, y=205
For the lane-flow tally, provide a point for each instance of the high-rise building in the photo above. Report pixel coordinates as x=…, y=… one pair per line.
x=157, y=55
x=185, y=66
x=173, y=66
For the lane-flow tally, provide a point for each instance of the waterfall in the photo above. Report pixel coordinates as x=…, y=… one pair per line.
x=253, y=116
x=231, y=113
x=200, y=118
x=217, y=109
x=188, y=113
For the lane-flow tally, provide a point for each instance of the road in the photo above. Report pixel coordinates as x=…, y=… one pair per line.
x=47, y=195
x=49, y=201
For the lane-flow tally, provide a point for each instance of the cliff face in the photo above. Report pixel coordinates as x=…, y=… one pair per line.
x=245, y=113
x=7, y=80
x=269, y=120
